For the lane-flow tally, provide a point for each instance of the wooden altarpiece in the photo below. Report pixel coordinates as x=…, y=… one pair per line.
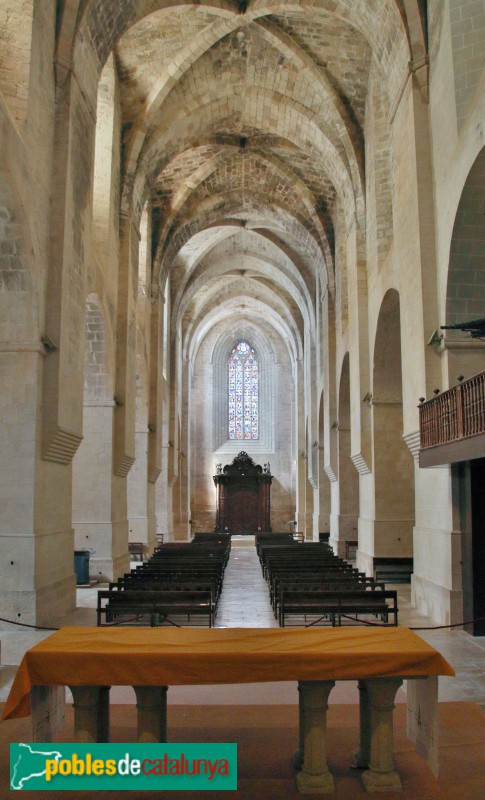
x=243, y=496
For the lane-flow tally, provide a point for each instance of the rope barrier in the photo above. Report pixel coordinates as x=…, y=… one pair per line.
x=25, y=625
x=310, y=624
x=117, y=622
x=443, y=627
x=414, y=628
x=133, y=619
x=103, y=625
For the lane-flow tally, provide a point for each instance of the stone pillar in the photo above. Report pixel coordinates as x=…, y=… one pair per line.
x=151, y=704
x=381, y=775
x=138, y=490
x=314, y=777
x=64, y=312
x=361, y=757
x=91, y=713
x=37, y=583
x=92, y=487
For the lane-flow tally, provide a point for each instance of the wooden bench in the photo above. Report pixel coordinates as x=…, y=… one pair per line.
x=333, y=605
x=158, y=605
x=306, y=550
x=136, y=549
x=201, y=553
x=350, y=544
x=210, y=537
x=140, y=578
x=393, y=570
x=167, y=584
x=276, y=563
x=312, y=572
x=176, y=565
x=274, y=538
x=321, y=581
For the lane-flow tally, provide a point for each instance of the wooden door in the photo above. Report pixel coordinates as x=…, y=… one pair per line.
x=243, y=509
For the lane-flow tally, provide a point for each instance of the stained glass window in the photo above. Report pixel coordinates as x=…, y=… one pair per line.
x=243, y=393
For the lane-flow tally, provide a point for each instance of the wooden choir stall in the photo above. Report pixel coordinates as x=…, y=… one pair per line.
x=243, y=496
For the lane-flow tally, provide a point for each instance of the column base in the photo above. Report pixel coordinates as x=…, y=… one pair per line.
x=376, y=782
x=315, y=784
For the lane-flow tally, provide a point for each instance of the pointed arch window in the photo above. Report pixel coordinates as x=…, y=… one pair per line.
x=243, y=391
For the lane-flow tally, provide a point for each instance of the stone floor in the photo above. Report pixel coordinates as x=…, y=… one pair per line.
x=245, y=603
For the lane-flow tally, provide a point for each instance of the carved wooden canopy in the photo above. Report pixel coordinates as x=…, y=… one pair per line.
x=243, y=465
x=243, y=495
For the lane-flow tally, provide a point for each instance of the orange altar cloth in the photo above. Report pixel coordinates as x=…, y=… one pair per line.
x=80, y=656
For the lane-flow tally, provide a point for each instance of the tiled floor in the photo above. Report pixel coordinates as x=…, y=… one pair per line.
x=245, y=603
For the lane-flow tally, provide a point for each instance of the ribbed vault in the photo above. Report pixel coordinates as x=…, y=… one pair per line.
x=243, y=134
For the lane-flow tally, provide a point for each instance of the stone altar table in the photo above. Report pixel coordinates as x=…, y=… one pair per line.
x=151, y=659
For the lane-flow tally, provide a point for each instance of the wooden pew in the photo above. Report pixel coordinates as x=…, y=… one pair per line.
x=169, y=582
x=136, y=549
x=181, y=572
x=393, y=570
x=151, y=578
x=157, y=604
x=295, y=600
x=276, y=561
x=211, y=537
x=325, y=581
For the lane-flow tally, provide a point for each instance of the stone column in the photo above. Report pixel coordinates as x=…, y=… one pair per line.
x=381, y=775
x=361, y=757
x=92, y=490
x=151, y=704
x=314, y=777
x=91, y=713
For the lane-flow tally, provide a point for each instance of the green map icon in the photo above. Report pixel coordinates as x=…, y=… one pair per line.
x=28, y=763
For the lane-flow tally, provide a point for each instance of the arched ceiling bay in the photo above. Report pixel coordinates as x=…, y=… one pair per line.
x=243, y=127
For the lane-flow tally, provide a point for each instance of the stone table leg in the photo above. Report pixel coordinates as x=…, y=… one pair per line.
x=103, y=718
x=151, y=704
x=381, y=776
x=314, y=777
x=423, y=723
x=47, y=705
x=361, y=757
x=298, y=755
x=91, y=713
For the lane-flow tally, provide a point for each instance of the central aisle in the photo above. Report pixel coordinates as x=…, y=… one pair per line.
x=244, y=599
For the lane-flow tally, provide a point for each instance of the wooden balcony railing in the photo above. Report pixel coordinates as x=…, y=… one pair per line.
x=455, y=414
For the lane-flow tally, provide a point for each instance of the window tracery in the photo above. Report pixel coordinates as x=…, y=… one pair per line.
x=243, y=392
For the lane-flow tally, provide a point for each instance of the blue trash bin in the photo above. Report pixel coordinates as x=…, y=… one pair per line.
x=81, y=566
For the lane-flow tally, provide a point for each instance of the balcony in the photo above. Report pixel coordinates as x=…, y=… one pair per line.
x=452, y=424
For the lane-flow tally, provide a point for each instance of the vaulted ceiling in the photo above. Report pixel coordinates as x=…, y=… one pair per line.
x=244, y=128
